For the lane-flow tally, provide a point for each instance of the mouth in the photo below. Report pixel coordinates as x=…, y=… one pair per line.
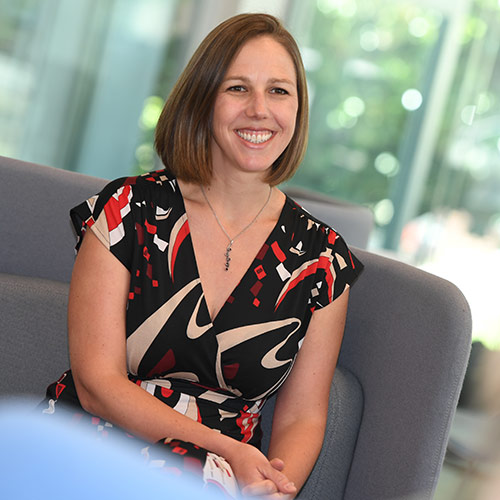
x=254, y=136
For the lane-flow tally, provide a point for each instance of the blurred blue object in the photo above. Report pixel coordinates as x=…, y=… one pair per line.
x=46, y=457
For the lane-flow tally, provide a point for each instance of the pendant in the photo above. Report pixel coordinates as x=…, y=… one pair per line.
x=228, y=259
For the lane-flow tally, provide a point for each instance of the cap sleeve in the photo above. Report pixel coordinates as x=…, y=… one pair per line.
x=338, y=268
x=109, y=216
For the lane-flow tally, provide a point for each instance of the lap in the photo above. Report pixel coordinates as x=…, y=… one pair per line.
x=171, y=456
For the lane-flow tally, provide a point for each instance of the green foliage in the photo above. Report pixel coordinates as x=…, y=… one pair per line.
x=371, y=52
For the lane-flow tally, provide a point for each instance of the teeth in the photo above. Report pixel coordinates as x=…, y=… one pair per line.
x=255, y=137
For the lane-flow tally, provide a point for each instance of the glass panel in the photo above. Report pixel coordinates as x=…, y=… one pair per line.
x=458, y=232
x=367, y=63
x=405, y=118
x=77, y=76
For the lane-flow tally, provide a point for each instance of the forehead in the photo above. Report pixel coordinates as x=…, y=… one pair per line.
x=263, y=54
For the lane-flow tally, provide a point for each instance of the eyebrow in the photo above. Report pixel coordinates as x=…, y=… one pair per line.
x=271, y=80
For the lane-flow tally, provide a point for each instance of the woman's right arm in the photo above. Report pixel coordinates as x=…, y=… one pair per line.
x=97, y=345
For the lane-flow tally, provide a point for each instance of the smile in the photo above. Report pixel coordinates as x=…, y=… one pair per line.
x=255, y=137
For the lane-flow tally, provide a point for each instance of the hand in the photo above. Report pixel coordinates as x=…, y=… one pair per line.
x=260, y=490
x=257, y=476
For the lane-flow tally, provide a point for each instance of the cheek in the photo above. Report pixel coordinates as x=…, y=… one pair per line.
x=292, y=120
x=218, y=113
x=289, y=116
x=216, y=119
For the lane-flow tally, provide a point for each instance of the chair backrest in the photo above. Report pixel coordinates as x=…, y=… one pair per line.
x=35, y=231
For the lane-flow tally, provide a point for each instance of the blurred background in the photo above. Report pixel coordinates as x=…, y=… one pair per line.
x=405, y=119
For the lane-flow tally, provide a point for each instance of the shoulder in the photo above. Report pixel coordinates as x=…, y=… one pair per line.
x=159, y=180
x=149, y=189
x=306, y=225
x=320, y=241
x=125, y=196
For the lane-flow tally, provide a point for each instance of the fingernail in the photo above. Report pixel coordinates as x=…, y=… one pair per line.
x=291, y=485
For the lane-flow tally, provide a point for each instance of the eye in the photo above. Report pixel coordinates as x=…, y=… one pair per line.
x=279, y=90
x=236, y=88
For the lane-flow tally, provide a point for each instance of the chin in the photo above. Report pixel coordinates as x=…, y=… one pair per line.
x=262, y=170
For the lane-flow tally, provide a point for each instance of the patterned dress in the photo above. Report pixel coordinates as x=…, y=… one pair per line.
x=217, y=372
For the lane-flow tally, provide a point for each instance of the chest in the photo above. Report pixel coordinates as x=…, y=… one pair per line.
x=221, y=265
x=238, y=329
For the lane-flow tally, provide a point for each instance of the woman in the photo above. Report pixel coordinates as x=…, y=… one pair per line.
x=204, y=285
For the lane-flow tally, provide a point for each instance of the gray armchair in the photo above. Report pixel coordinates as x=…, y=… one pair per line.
x=395, y=389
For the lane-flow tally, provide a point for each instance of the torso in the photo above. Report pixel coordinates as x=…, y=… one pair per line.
x=214, y=348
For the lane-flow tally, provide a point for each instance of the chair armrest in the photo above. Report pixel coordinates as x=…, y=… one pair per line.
x=407, y=340
x=33, y=346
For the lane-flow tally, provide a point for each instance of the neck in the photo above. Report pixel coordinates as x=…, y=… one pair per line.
x=229, y=197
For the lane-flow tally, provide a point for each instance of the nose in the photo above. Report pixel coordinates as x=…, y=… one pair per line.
x=257, y=105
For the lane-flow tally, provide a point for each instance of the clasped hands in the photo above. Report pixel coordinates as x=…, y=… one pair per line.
x=260, y=477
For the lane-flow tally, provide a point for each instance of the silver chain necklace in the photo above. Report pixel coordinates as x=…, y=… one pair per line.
x=232, y=240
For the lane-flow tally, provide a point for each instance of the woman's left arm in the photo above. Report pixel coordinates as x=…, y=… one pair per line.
x=302, y=402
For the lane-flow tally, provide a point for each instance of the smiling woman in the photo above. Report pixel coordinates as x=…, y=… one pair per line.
x=209, y=289
x=183, y=134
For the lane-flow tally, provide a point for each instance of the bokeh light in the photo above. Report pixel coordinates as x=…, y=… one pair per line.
x=467, y=114
x=369, y=40
x=354, y=106
x=387, y=164
x=419, y=27
x=412, y=99
x=145, y=156
x=151, y=112
x=383, y=212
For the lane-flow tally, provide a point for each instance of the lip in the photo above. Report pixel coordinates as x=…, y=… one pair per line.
x=254, y=129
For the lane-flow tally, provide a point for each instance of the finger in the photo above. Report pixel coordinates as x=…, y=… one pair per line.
x=288, y=488
x=265, y=487
x=277, y=463
x=283, y=484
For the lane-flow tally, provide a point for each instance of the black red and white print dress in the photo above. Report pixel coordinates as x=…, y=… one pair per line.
x=217, y=372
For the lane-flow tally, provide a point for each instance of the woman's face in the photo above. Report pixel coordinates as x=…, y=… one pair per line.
x=255, y=108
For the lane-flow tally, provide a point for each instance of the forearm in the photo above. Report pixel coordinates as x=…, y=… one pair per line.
x=132, y=408
x=298, y=445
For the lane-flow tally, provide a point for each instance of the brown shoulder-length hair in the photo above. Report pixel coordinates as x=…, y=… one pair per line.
x=184, y=130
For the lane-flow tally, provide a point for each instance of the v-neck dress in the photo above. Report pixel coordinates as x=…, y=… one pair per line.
x=217, y=372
